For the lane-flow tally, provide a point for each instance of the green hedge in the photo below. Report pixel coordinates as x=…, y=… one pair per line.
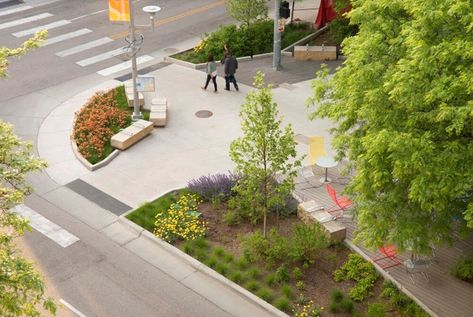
x=244, y=41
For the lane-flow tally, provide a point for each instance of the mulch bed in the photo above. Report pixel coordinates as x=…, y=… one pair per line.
x=317, y=278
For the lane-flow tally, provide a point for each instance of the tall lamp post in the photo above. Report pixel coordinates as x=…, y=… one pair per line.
x=135, y=47
x=277, y=37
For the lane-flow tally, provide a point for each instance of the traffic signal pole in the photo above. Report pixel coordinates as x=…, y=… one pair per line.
x=277, y=37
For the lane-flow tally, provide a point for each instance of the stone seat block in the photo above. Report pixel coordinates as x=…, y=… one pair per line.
x=132, y=134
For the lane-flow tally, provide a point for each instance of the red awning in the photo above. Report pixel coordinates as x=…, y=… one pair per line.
x=326, y=13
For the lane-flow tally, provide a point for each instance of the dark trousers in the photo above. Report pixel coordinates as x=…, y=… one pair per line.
x=214, y=80
x=230, y=79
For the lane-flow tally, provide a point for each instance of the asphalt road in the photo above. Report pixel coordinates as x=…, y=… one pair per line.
x=179, y=21
x=94, y=276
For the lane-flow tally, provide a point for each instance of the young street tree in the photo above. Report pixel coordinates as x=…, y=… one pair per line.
x=264, y=152
x=404, y=112
x=247, y=11
x=21, y=286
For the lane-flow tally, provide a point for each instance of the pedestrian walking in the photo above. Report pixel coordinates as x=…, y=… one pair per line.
x=211, y=72
x=231, y=65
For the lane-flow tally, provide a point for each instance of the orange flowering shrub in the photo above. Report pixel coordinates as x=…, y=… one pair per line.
x=96, y=123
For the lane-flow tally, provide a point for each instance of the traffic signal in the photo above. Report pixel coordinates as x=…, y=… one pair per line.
x=284, y=11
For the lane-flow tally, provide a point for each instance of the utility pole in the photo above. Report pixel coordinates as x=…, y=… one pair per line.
x=277, y=37
x=134, y=70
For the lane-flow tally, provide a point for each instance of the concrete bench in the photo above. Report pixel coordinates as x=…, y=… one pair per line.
x=158, y=112
x=132, y=134
x=315, y=53
x=129, y=95
x=311, y=211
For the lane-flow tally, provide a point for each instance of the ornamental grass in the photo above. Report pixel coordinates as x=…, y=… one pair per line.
x=96, y=123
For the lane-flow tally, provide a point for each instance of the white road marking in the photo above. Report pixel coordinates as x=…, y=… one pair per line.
x=46, y=227
x=15, y=10
x=65, y=36
x=83, y=47
x=72, y=308
x=123, y=66
x=88, y=15
x=100, y=57
x=25, y=20
x=42, y=27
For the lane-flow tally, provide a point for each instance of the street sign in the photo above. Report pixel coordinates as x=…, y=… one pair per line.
x=119, y=10
x=281, y=25
x=145, y=83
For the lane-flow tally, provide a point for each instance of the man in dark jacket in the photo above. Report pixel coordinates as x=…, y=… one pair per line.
x=231, y=65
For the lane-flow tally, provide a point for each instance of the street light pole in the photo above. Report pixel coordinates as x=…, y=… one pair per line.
x=277, y=37
x=134, y=70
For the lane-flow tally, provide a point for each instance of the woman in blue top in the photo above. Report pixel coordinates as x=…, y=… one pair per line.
x=211, y=72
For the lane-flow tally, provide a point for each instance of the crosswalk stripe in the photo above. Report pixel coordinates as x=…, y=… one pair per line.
x=46, y=227
x=83, y=47
x=124, y=65
x=65, y=36
x=25, y=20
x=100, y=57
x=15, y=10
x=42, y=27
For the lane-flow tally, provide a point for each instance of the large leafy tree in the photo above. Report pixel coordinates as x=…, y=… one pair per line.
x=247, y=11
x=21, y=286
x=266, y=151
x=403, y=107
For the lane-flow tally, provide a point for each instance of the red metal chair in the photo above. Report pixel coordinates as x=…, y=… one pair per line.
x=388, y=257
x=342, y=203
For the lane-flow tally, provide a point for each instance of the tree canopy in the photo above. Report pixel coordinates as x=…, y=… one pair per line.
x=29, y=44
x=21, y=286
x=247, y=11
x=403, y=109
x=264, y=152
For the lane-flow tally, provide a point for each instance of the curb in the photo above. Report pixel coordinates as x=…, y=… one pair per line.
x=96, y=166
x=198, y=266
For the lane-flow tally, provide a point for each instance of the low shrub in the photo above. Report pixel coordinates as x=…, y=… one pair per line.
x=236, y=276
x=307, y=240
x=242, y=264
x=283, y=303
x=252, y=285
x=300, y=285
x=282, y=274
x=301, y=299
x=211, y=262
x=200, y=243
x=376, y=310
x=253, y=273
x=401, y=302
x=360, y=271
x=297, y=273
x=221, y=268
x=178, y=222
x=96, y=123
x=228, y=258
x=270, y=279
x=188, y=247
x=464, y=269
x=265, y=294
x=231, y=218
x=219, y=251
x=270, y=250
x=213, y=187
x=286, y=290
x=339, y=302
x=201, y=255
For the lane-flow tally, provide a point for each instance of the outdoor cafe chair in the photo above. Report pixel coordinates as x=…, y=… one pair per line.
x=342, y=203
x=387, y=257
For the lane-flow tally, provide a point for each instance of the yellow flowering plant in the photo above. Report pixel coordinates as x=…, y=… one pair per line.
x=181, y=220
x=200, y=46
x=307, y=310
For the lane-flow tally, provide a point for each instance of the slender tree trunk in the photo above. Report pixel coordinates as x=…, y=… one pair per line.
x=292, y=11
x=265, y=189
